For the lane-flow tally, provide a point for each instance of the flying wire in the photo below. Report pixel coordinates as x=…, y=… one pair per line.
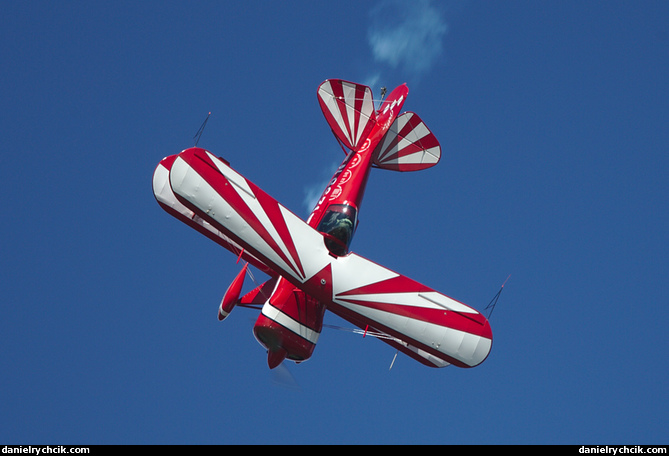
x=201, y=130
x=491, y=305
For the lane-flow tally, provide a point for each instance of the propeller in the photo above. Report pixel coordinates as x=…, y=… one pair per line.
x=283, y=377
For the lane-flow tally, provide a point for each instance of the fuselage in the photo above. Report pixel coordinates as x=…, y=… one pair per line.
x=341, y=200
x=336, y=217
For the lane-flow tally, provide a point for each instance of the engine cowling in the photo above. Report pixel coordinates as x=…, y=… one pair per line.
x=289, y=324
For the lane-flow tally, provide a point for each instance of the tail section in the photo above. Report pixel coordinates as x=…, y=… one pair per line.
x=349, y=109
x=408, y=146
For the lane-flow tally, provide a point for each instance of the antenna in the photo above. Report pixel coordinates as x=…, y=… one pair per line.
x=201, y=130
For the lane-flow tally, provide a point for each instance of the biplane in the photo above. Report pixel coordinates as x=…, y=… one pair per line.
x=310, y=265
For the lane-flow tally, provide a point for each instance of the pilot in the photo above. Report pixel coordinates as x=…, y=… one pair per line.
x=343, y=230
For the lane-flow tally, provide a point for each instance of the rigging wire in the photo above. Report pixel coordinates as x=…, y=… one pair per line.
x=491, y=305
x=201, y=130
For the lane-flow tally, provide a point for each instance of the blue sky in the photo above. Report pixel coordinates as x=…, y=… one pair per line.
x=552, y=118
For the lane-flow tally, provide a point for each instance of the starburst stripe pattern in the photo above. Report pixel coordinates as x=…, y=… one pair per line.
x=241, y=210
x=168, y=201
x=351, y=286
x=408, y=146
x=411, y=312
x=348, y=109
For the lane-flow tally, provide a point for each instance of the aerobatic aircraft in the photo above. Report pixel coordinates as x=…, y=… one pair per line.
x=309, y=264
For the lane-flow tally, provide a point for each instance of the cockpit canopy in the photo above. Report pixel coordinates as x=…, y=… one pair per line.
x=338, y=225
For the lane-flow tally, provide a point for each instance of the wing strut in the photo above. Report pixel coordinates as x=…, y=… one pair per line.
x=393, y=361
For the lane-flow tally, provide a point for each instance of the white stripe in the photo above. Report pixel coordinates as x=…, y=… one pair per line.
x=363, y=117
x=412, y=299
x=414, y=135
x=252, y=202
x=331, y=103
x=418, y=132
x=193, y=187
x=418, y=158
x=288, y=322
x=399, y=123
x=309, y=244
x=352, y=271
x=429, y=300
x=357, y=121
x=231, y=175
x=349, y=100
x=446, y=302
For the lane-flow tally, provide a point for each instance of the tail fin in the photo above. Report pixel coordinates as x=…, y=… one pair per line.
x=349, y=109
x=408, y=146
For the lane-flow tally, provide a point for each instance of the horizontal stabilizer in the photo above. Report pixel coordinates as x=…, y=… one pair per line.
x=349, y=109
x=408, y=146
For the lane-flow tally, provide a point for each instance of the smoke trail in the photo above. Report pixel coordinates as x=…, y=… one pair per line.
x=314, y=191
x=406, y=35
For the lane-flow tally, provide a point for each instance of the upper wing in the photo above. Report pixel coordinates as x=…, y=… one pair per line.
x=349, y=109
x=432, y=327
x=168, y=201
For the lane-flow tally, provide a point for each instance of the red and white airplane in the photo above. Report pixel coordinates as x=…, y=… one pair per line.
x=309, y=263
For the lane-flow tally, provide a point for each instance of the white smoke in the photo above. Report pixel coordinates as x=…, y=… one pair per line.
x=313, y=192
x=407, y=34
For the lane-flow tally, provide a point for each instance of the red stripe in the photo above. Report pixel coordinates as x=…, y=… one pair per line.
x=273, y=211
x=426, y=142
x=474, y=323
x=471, y=323
x=338, y=92
x=198, y=160
x=359, y=100
x=398, y=284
